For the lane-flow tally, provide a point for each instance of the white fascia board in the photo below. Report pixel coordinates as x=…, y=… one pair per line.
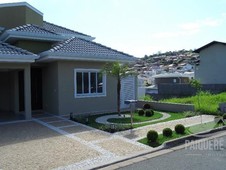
x=31, y=58
x=25, y=35
x=14, y=60
x=21, y=4
x=55, y=58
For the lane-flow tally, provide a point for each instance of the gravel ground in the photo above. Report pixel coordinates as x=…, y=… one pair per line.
x=61, y=123
x=32, y=146
x=93, y=136
x=120, y=147
x=75, y=129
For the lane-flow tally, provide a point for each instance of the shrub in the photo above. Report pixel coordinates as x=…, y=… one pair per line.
x=167, y=132
x=149, y=113
x=179, y=128
x=146, y=106
x=146, y=98
x=152, y=136
x=141, y=112
x=224, y=116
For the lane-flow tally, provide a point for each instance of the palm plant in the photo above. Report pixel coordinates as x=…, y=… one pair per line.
x=118, y=71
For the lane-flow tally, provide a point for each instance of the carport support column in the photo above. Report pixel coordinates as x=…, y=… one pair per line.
x=27, y=92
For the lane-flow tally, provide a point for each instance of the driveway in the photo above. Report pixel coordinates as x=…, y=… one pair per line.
x=53, y=142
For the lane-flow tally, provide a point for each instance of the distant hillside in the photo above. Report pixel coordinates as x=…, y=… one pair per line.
x=179, y=53
x=171, y=61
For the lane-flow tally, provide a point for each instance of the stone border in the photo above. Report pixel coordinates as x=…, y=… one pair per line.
x=167, y=107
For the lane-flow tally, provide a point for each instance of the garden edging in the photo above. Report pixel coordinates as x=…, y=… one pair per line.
x=169, y=107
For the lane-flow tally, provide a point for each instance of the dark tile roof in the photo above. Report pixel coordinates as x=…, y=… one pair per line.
x=60, y=29
x=208, y=45
x=6, y=49
x=81, y=46
x=30, y=28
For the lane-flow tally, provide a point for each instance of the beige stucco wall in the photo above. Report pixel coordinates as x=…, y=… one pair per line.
x=212, y=66
x=33, y=46
x=16, y=16
x=68, y=103
x=50, y=88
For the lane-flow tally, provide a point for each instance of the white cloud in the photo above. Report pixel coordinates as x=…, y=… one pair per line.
x=190, y=28
x=197, y=25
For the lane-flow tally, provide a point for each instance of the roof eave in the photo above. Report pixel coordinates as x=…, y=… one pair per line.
x=207, y=45
x=18, y=58
x=8, y=35
x=47, y=56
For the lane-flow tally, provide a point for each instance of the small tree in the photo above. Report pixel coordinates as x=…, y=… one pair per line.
x=118, y=71
x=197, y=85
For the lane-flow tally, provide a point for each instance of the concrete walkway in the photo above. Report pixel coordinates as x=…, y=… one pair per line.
x=139, y=133
x=104, y=119
x=55, y=142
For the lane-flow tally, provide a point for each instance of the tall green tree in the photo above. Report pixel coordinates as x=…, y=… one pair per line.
x=118, y=71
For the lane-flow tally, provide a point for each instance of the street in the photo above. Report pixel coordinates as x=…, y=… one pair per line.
x=207, y=155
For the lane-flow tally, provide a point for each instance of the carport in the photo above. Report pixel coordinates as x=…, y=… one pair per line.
x=15, y=84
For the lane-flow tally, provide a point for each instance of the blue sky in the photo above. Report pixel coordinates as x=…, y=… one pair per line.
x=140, y=27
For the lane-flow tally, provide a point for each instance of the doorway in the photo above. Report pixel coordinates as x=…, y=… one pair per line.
x=36, y=88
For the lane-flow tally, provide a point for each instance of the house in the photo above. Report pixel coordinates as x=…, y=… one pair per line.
x=211, y=66
x=50, y=68
x=171, y=78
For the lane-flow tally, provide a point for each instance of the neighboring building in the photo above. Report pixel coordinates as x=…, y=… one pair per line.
x=53, y=69
x=171, y=78
x=212, y=66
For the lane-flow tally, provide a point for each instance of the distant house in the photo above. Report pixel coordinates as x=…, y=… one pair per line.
x=53, y=69
x=212, y=66
x=171, y=78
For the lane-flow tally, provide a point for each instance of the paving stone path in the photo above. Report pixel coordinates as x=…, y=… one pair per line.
x=111, y=147
x=104, y=119
x=138, y=133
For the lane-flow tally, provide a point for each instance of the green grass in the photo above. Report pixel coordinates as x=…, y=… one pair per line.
x=203, y=127
x=188, y=131
x=96, y=125
x=136, y=118
x=161, y=139
x=208, y=102
x=173, y=116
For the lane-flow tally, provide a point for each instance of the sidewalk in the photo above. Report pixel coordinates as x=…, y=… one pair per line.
x=141, y=132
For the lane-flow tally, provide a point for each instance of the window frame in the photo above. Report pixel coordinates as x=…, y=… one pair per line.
x=90, y=94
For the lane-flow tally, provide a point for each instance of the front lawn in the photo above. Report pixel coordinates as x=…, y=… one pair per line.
x=209, y=103
x=188, y=131
x=136, y=118
x=119, y=127
x=161, y=139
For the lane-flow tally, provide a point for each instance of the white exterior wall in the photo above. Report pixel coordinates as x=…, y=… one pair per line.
x=212, y=68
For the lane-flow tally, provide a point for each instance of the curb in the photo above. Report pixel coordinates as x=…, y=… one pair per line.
x=163, y=149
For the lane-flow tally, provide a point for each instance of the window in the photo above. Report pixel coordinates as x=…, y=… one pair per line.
x=89, y=83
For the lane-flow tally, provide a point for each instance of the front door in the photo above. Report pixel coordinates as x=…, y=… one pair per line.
x=36, y=88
